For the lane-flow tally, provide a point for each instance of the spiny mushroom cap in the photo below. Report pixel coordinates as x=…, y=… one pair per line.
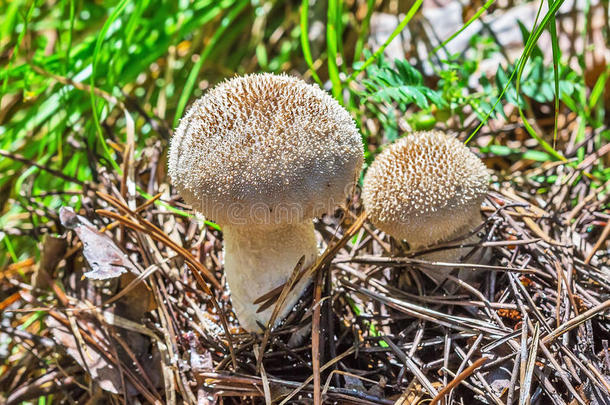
x=265, y=149
x=425, y=188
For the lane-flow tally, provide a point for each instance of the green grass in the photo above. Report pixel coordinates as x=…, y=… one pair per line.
x=108, y=47
x=156, y=54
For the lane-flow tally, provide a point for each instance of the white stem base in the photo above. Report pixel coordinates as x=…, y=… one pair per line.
x=439, y=273
x=261, y=258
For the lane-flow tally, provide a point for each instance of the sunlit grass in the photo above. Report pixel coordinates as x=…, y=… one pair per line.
x=160, y=55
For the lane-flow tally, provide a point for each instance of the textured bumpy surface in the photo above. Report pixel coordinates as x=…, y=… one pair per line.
x=265, y=149
x=425, y=188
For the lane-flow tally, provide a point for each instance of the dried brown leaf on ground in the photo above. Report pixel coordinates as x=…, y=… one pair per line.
x=102, y=254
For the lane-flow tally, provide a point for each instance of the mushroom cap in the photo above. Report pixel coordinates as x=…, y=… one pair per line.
x=425, y=188
x=265, y=149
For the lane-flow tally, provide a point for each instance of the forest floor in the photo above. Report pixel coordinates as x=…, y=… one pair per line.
x=530, y=326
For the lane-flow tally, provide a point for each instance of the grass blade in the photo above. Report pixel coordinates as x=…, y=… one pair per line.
x=98, y=46
x=458, y=32
x=529, y=46
x=394, y=34
x=598, y=88
x=304, y=24
x=556, y=56
x=526, y=384
x=331, y=44
x=192, y=78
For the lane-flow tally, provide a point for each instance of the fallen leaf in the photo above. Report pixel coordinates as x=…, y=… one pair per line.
x=105, y=374
x=103, y=255
x=53, y=250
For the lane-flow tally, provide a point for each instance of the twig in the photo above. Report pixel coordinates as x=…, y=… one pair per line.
x=459, y=378
x=315, y=340
x=574, y=322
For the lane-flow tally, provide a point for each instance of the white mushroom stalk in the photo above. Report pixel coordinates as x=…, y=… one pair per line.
x=262, y=155
x=427, y=189
x=258, y=257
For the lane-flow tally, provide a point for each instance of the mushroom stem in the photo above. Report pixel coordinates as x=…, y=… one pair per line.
x=473, y=220
x=455, y=255
x=259, y=258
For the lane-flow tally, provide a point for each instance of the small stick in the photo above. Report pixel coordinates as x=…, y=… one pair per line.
x=276, y=310
x=56, y=173
x=598, y=244
x=315, y=341
x=459, y=378
x=574, y=322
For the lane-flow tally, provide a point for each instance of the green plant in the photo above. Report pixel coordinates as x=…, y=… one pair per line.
x=82, y=80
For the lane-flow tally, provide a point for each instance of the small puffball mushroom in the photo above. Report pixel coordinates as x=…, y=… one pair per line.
x=262, y=155
x=426, y=188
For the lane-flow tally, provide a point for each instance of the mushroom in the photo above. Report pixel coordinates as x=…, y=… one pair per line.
x=262, y=155
x=427, y=189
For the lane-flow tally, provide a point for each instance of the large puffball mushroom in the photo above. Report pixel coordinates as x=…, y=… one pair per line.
x=426, y=189
x=262, y=155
